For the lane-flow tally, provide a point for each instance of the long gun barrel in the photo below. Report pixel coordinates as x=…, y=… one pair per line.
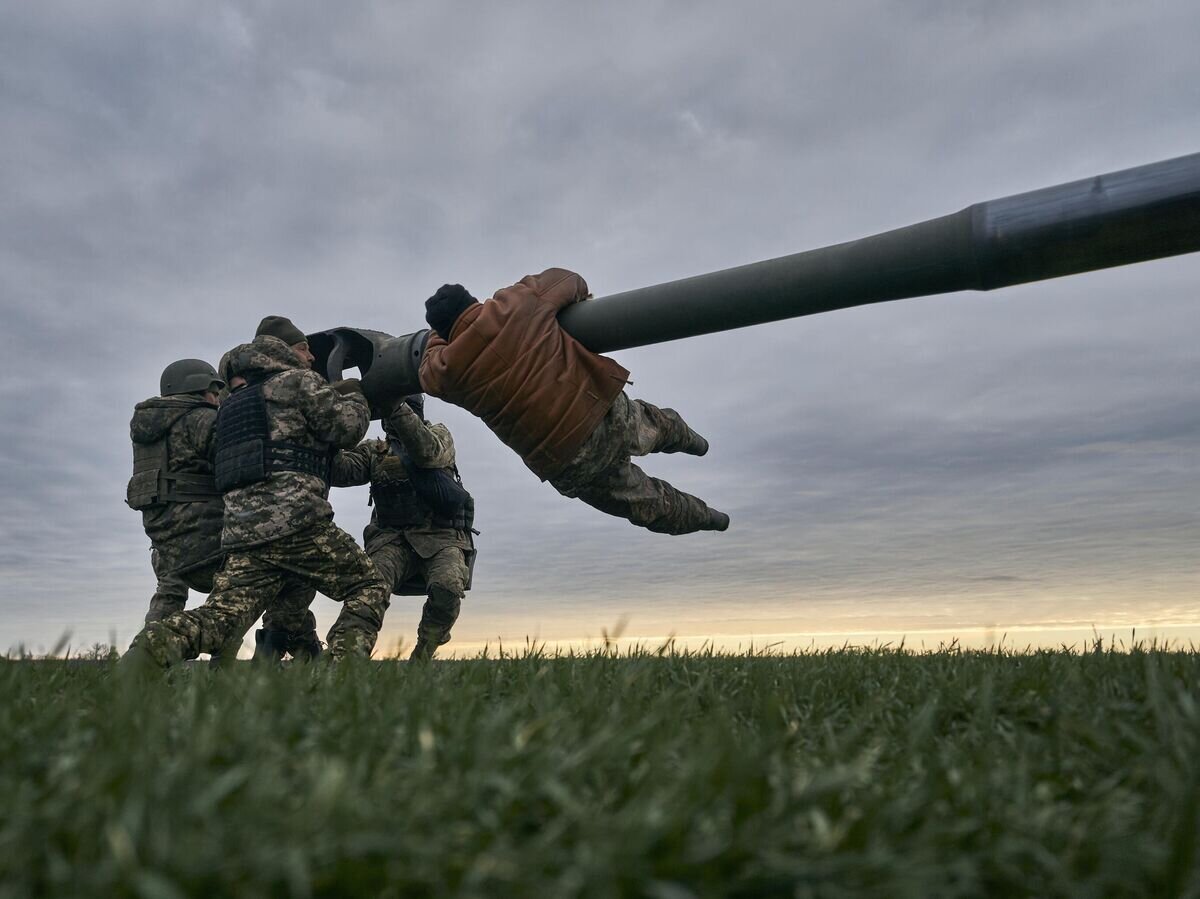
x=1148, y=212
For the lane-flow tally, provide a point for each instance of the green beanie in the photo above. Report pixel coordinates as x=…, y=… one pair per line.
x=278, y=326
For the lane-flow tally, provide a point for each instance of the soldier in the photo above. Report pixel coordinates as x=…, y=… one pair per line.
x=561, y=407
x=174, y=443
x=289, y=626
x=276, y=436
x=421, y=522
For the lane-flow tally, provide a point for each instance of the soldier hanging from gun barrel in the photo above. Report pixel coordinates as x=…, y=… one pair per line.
x=561, y=407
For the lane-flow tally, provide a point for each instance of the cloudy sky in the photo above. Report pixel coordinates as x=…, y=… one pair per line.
x=1022, y=462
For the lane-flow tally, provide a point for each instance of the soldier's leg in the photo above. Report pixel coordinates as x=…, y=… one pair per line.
x=396, y=563
x=236, y=600
x=628, y=492
x=654, y=430
x=329, y=559
x=603, y=477
x=446, y=579
x=289, y=626
x=170, y=594
x=201, y=580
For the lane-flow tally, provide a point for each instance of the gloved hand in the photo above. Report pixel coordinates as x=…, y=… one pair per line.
x=347, y=386
x=405, y=406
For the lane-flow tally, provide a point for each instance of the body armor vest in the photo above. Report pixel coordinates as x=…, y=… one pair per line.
x=153, y=482
x=399, y=504
x=246, y=455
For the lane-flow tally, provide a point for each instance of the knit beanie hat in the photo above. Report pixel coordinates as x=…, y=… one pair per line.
x=444, y=307
x=278, y=326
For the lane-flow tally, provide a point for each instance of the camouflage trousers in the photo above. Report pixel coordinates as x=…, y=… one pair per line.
x=171, y=592
x=289, y=612
x=602, y=476
x=254, y=580
x=445, y=576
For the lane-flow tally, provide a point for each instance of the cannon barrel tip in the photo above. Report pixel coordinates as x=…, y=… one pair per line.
x=387, y=366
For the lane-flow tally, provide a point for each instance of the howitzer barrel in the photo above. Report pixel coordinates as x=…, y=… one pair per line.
x=1143, y=213
x=387, y=365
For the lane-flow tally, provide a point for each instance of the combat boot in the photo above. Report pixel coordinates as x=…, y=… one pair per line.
x=695, y=445
x=423, y=651
x=138, y=664
x=305, y=647
x=437, y=617
x=269, y=646
x=717, y=521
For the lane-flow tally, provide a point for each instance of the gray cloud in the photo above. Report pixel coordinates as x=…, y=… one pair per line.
x=169, y=176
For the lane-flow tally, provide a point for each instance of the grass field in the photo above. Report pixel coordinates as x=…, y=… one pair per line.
x=857, y=772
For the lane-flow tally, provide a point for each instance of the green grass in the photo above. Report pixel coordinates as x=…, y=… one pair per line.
x=856, y=772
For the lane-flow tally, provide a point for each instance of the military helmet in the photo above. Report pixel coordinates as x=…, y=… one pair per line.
x=188, y=376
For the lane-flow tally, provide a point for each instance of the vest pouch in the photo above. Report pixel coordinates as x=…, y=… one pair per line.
x=438, y=488
x=470, y=555
x=149, y=462
x=397, y=505
x=142, y=491
x=466, y=520
x=187, y=487
x=240, y=465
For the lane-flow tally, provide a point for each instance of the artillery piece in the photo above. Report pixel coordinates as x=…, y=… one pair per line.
x=1138, y=214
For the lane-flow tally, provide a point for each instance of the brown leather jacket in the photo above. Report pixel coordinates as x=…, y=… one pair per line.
x=532, y=383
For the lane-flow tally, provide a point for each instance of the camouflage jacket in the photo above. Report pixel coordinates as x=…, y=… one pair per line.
x=186, y=535
x=429, y=446
x=301, y=409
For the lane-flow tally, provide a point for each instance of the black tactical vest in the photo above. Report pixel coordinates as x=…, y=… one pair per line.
x=399, y=504
x=154, y=482
x=246, y=455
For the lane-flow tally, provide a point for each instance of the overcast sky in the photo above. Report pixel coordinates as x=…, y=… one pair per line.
x=1025, y=461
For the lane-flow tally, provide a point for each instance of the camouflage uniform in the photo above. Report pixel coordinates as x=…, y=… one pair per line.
x=436, y=554
x=185, y=537
x=279, y=530
x=602, y=476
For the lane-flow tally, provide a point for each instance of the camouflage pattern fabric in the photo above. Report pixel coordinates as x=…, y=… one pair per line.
x=436, y=554
x=445, y=574
x=279, y=532
x=430, y=446
x=183, y=536
x=302, y=409
x=602, y=476
x=290, y=611
x=324, y=557
x=172, y=592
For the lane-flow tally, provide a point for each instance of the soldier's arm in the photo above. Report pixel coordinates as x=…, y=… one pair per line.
x=429, y=446
x=339, y=419
x=201, y=429
x=352, y=467
x=558, y=287
x=433, y=365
